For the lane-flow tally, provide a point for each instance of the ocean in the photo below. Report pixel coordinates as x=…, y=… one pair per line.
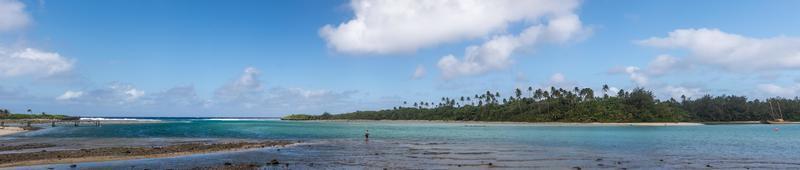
x=441, y=145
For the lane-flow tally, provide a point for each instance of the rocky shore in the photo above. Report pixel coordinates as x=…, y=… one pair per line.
x=121, y=153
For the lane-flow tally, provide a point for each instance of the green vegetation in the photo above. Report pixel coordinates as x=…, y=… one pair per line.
x=5, y=114
x=581, y=105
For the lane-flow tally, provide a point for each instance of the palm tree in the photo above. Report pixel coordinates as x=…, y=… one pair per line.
x=30, y=111
x=605, y=90
x=519, y=95
x=530, y=90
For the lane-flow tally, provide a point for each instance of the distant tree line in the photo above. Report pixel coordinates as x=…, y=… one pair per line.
x=582, y=105
x=6, y=114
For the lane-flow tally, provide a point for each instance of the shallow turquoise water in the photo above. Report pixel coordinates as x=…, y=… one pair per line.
x=446, y=145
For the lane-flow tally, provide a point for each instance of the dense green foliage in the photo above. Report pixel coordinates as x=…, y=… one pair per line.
x=5, y=114
x=581, y=105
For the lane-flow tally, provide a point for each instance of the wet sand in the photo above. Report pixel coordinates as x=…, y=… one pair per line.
x=123, y=153
x=10, y=130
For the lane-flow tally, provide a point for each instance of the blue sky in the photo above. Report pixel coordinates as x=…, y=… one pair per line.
x=272, y=58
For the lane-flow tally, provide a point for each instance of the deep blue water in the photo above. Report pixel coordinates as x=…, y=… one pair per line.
x=445, y=145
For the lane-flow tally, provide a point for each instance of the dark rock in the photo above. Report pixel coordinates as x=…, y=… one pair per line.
x=598, y=159
x=73, y=166
x=576, y=168
x=709, y=166
x=274, y=162
x=661, y=160
x=228, y=164
x=490, y=164
x=619, y=163
x=600, y=165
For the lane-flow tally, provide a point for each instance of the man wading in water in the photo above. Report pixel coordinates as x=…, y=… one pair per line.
x=366, y=135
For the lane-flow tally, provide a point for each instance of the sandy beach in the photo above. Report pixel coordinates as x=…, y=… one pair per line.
x=10, y=130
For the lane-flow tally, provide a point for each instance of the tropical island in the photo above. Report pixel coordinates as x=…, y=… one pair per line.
x=580, y=105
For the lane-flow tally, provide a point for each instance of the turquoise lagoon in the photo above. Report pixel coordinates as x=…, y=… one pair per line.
x=438, y=145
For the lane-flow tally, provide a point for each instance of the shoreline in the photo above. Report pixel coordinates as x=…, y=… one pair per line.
x=10, y=130
x=552, y=123
x=128, y=153
x=528, y=123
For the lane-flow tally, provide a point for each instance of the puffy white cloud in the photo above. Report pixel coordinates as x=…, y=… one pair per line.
x=495, y=54
x=246, y=90
x=69, y=95
x=678, y=91
x=776, y=90
x=636, y=75
x=663, y=64
x=112, y=94
x=12, y=15
x=557, y=78
x=419, y=72
x=386, y=26
x=560, y=81
x=732, y=52
x=33, y=62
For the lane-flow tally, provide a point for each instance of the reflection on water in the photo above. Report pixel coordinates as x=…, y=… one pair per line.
x=404, y=145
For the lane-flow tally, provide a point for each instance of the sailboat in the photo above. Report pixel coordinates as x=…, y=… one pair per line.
x=777, y=118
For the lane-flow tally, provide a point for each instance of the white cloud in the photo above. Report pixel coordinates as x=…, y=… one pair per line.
x=12, y=15
x=246, y=90
x=495, y=54
x=557, y=78
x=732, y=52
x=419, y=72
x=678, y=91
x=33, y=62
x=69, y=95
x=636, y=75
x=776, y=90
x=662, y=65
x=112, y=94
x=178, y=96
x=560, y=81
x=386, y=26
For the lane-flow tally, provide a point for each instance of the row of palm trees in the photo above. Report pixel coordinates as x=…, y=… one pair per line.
x=493, y=98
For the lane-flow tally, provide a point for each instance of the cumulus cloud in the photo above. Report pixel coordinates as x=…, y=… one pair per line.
x=560, y=81
x=33, y=62
x=113, y=94
x=69, y=95
x=636, y=75
x=732, y=52
x=495, y=54
x=419, y=72
x=12, y=15
x=178, y=96
x=678, y=91
x=246, y=90
x=386, y=26
x=663, y=64
x=776, y=90
x=250, y=95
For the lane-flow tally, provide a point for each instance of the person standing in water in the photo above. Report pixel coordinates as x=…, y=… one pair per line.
x=366, y=134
